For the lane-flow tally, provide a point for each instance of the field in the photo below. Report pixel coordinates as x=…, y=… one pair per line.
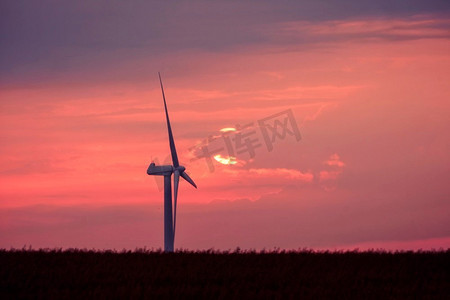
x=84, y=274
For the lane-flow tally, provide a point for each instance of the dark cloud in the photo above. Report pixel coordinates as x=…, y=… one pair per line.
x=46, y=40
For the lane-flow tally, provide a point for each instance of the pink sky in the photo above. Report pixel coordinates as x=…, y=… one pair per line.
x=370, y=96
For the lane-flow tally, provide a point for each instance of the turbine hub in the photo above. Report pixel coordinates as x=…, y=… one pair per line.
x=180, y=169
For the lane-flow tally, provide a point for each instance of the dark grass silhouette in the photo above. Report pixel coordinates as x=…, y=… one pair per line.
x=223, y=275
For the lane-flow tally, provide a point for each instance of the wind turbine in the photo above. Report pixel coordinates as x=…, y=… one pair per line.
x=170, y=220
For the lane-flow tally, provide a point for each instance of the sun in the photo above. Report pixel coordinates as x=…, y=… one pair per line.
x=230, y=160
x=227, y=129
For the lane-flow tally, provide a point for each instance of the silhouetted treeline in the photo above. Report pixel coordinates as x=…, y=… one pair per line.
x=81, y=274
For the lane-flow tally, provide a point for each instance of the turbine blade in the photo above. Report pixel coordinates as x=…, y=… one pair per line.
x=176, y=179
x=173, y=151
x=188, y=179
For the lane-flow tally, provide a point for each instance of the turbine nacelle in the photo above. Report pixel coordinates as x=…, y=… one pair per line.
x=164, y=170
x=159, y=170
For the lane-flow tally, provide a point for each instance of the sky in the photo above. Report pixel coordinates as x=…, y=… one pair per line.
x=325, y=123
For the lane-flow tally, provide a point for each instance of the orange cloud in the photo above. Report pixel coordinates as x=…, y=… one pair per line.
x=329, y=175
x=416, y=27
x=274, y=173
x=334, y=160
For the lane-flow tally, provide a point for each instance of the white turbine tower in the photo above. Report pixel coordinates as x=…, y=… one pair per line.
x=166, y=171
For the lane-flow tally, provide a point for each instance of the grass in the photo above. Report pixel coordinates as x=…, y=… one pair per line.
x=210, y=274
